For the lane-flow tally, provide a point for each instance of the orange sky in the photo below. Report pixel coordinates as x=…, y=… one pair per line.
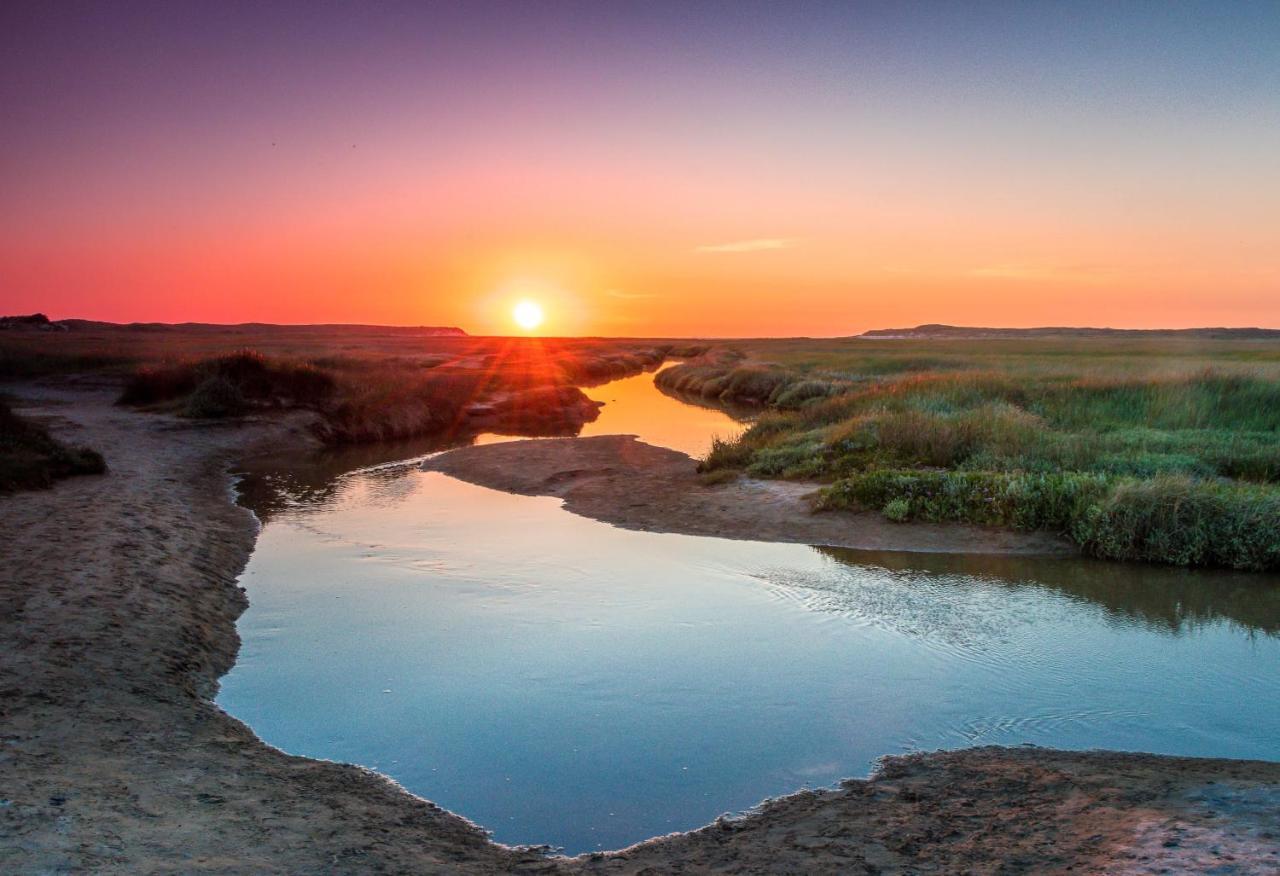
x=657, y=175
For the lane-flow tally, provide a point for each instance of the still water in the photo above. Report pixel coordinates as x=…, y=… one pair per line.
x=561, y=681
x=634, y=406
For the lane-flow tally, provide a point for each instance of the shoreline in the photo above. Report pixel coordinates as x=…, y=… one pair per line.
x=121, y=599
x=620, y=480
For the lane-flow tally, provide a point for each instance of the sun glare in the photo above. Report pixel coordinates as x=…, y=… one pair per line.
x=528, y=315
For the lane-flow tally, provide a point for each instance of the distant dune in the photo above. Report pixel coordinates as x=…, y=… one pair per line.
x=959, y=332
x=259, y=328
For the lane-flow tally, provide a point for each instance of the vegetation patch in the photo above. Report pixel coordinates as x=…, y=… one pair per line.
x=517, y=386
x=1162, y=453
x=228, y=385
x=30, y=458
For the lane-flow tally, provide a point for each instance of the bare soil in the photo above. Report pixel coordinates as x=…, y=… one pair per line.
x=118, y=602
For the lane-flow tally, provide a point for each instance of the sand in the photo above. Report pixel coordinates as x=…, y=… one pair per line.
x=623, y=481
x=118, y=602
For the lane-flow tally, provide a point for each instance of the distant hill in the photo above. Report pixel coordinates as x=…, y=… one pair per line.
x=41, y=323
x=34, y=322
x=959, y=332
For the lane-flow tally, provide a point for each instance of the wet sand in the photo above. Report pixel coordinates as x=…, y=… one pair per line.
x=623, y=481
x=118, y=602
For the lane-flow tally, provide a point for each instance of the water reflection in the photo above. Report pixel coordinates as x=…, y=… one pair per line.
x=1163, y=598
x=1166, y=599
x=270, y=485
x=561, y=680
x=632, y=406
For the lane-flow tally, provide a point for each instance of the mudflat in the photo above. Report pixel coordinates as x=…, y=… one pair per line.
x=623, y=481
x=118, y=602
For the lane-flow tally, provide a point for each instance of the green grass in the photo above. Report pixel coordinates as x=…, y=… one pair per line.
x=1155, y=451
x=30, y=458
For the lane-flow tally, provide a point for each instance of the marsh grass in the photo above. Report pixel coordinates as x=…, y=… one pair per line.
x=30, y=458
x=229, y=383
x=1136, y=450
x=518, y=386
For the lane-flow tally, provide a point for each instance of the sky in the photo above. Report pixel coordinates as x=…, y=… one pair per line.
x=644, y=169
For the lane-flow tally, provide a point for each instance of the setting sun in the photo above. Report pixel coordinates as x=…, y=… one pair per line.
x=528, y=315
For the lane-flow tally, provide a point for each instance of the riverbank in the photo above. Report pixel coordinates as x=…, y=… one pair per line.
x=120, y=600
x=623, y=481
x=1139, y=448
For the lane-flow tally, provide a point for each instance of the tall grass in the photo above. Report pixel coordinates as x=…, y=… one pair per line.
x=1168, y=519
x=513, y=386
x=251, y=376
x=1134, y=455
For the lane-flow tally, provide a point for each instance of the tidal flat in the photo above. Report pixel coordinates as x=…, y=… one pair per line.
x=125, y=626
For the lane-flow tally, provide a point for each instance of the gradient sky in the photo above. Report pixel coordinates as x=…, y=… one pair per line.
x=645, y=168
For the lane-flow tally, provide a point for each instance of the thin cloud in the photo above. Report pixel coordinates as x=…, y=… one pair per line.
x=758, y=244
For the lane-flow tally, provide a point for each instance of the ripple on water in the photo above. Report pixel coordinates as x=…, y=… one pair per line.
x=559, y=680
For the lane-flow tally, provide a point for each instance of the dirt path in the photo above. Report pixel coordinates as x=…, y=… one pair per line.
x=623, y=481
x=117, y=608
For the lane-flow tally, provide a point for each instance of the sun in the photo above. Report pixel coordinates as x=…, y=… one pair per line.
x=528, y=315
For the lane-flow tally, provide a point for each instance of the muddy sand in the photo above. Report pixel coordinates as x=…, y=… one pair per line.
x=118, y=602
x=623, y=481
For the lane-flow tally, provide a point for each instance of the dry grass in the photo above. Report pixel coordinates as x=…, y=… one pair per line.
x=32, y=459
x=367, y=384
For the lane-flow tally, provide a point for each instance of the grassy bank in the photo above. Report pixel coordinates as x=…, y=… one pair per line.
x=516, y=386
x=30, y=458
x=366, y=383
x=1164, y=452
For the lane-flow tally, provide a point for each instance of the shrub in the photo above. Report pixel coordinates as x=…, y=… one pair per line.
x=214, y=398
x=725, y=454
x=787, y=460
x=1169, y=519
x=1186, y=522
x=717, y=477
x=1023, y=501
x=897, y=510
x=256, y=378
x=803, y=391
x=754, y=384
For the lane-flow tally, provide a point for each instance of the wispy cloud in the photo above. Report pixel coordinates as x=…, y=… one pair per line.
x=629, y=296
x=758, y=244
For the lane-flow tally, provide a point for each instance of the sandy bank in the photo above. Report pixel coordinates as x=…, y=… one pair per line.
x=118, y=602
x=117, y=607
x=623, y=481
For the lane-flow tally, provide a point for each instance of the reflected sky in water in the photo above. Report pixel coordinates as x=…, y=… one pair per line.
x=635, y=406
x=558, y=680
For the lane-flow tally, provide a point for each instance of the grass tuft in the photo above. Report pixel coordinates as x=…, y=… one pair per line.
x=30, y=458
